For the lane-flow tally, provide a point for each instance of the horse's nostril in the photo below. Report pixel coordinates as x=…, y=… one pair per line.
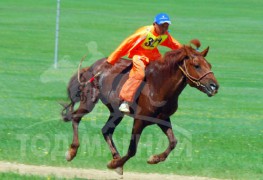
x=213, y=86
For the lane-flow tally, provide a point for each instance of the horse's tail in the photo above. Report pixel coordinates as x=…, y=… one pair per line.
x=74, y=92
x=67, y=111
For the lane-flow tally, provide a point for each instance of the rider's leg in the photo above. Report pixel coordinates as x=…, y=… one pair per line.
x=136, y=76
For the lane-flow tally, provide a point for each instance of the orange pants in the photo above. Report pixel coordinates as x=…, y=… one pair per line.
x=136, y=76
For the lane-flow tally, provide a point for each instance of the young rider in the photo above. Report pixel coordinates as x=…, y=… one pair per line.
x=141, y=47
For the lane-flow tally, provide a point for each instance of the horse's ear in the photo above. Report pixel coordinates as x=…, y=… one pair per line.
x=204, y=52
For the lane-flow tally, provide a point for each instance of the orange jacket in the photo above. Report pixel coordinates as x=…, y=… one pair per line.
x=144, y=42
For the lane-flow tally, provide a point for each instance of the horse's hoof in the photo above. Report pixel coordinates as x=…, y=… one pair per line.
x=111, y=164
x=119, y=170
x=68, y=156
x=153, y=160
x=114, y=164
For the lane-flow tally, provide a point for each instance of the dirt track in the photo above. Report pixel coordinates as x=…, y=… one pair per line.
x=86, y=173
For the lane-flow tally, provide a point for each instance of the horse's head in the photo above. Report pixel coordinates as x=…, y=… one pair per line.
x=198, y=71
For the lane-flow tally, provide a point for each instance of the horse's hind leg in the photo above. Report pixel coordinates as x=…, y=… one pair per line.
x=71, y=153
x=86, y=106
x=167, y=129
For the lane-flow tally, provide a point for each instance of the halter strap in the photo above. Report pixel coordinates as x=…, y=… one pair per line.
x=196, y=81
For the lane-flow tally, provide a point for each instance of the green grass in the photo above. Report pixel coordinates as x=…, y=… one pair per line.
x=218, y=137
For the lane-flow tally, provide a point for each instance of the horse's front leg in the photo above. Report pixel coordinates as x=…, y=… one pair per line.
x=108, y=131
x=167, y=129
x=138, y=127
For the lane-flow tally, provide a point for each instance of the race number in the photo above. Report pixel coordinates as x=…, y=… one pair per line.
x=152, y=41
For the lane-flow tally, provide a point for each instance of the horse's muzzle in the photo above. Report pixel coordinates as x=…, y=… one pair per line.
x=211, y=88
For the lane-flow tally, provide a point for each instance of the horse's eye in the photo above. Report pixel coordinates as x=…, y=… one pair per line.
x=196, y=66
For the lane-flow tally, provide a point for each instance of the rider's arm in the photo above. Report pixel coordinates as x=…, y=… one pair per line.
x=170, y=42
x=124, y=48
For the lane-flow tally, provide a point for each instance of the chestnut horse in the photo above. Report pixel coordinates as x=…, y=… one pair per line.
x=156, y=99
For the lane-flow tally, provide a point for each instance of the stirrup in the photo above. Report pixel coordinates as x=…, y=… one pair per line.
x=124, y=107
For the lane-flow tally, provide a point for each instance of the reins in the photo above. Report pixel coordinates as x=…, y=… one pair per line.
x=91, y=79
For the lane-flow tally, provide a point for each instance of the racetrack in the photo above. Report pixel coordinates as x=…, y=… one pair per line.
x=62, y=172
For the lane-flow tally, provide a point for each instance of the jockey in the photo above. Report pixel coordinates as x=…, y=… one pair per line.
x=141, y=47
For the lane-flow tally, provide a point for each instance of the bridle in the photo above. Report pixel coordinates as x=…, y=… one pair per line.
x=194, y=80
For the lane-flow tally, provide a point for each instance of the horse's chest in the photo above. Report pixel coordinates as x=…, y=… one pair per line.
x=163, y=106
x=169, y=108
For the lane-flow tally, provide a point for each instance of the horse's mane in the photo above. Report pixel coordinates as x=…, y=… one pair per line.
x=173, y=57
x=170, y=60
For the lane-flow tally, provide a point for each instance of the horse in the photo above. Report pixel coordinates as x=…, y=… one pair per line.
x=155, y=101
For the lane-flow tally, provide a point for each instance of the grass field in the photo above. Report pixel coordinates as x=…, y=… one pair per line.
x=218, y=137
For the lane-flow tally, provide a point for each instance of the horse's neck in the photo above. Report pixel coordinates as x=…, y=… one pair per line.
x=168, y=83
x=175, y=83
